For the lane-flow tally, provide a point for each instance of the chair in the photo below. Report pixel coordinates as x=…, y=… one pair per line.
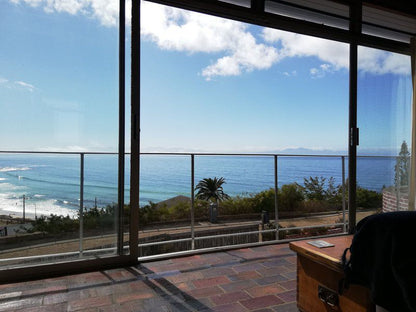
x=382, y=257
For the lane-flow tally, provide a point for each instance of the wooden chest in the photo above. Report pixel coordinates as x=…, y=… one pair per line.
x=319, y=272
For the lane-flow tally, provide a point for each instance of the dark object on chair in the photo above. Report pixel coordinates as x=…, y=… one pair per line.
x=383, y=258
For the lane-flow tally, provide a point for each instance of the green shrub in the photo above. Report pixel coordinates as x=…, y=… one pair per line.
x=290, y=197
x=180, y=211
x=237, y=205
x=151, y=213
x=314, y=188
x=369, y=199
x=264, y=201
x=55, y=224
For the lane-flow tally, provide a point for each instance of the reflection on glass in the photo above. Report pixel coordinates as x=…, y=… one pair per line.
x=58, y=85
x=228, y=89
x=384, y=119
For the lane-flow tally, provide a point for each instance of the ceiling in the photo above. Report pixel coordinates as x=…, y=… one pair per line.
x=407, y=7
x=378, y=16
x=383, y=24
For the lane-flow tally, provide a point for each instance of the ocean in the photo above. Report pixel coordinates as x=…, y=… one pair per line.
x=51, y=182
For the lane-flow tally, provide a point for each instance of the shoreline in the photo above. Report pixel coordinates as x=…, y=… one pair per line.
x=6, y=220
x=8, y=217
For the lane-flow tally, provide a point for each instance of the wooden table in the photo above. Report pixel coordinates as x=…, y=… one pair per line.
x=319, y=272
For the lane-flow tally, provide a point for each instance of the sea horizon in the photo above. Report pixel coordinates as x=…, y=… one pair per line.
x=50, y=182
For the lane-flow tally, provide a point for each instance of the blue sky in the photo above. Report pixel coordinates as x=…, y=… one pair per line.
x=208, y=84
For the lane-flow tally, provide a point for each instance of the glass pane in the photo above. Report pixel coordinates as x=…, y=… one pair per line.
x=100, y=202
x=312, y=192
x=164, y=215
x=235, y=95
x=233, y=195
x=384, y=119
x=59, y=95
x=126, y=213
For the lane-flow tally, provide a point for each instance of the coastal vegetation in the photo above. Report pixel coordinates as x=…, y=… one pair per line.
x=316, y=195
x=402, y=168
x=95, y=220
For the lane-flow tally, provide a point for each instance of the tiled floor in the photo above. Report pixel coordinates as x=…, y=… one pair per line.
x=252, y=279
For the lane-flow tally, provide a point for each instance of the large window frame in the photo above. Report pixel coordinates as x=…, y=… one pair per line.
x=254, y=14
x=121, y=258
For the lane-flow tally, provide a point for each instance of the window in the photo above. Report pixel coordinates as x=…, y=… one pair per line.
x=384, y=119
x=59, y=87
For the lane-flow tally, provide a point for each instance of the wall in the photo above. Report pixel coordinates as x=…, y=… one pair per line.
x=390, y=199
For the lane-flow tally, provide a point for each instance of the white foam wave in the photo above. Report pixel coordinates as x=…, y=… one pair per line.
x=8, y=187
x=14, y=207
x=3, y=179
x=10, y=169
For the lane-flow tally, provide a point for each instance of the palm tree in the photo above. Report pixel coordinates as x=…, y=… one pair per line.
x=211, y=189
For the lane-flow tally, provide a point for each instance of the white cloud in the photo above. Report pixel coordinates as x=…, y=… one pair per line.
x=68, y=6
x=178, y=30
x=33, y=3
x=257, y=56
x=18, y=85
x=336, y=54
x=295, y=45
x=290, y=74
x=234, y=46
x=25, y=85
x=321, y=71
x=93, y=147
x=382, y=62
x=105, y=11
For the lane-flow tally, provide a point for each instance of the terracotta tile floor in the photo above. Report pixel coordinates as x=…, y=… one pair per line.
x=252, y=279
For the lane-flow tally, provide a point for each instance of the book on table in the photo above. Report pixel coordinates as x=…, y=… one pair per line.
x=320, y=244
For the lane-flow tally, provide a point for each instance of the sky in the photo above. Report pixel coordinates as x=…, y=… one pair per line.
x=207, y=84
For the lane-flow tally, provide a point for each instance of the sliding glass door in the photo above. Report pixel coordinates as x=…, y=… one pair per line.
x=384, y=119
x=60, y=149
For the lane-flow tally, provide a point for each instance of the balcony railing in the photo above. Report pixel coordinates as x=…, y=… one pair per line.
x=191, y=238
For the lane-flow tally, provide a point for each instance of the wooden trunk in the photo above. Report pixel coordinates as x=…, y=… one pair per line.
x=319, y=273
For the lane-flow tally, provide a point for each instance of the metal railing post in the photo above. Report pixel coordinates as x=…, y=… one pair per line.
x=343, y=194
x=192, y=201
x=135, y=132
x=81, y=204
x=276, y=201
x=192, y=239
x=24, y=209
x=121, y=127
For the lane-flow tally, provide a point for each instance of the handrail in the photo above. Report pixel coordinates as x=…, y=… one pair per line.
x=196, y=154
x=192, y=156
